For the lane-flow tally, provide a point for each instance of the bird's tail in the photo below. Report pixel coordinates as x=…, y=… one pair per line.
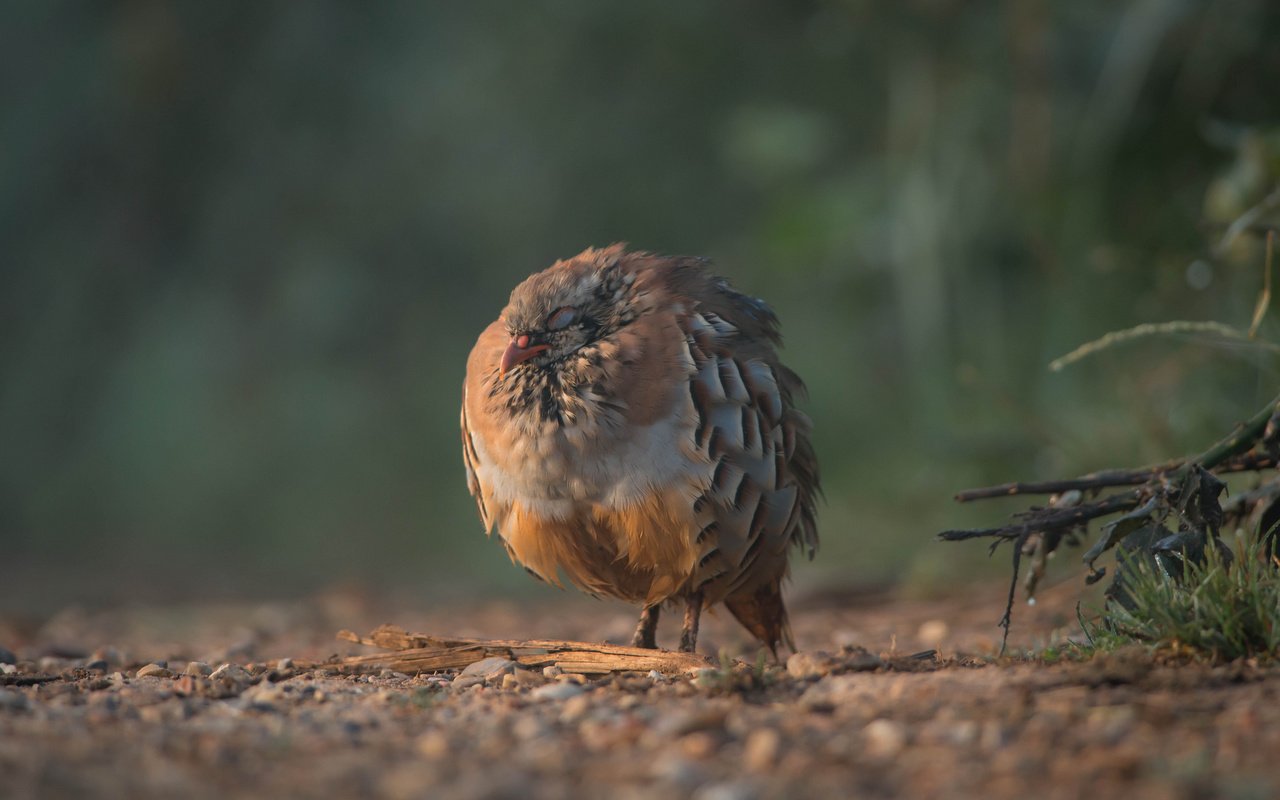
x=763, y=613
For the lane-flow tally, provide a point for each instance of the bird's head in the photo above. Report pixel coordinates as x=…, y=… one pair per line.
x=555, y=313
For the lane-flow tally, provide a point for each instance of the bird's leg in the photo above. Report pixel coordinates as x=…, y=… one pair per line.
x=689, y=631
x=646, y=634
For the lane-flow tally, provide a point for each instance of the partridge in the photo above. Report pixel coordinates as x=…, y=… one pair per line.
x=626, y=424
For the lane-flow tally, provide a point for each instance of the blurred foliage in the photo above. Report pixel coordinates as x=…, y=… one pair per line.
x=247, y=246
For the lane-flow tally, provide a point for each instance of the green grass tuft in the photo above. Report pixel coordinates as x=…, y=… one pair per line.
x=1221, y=608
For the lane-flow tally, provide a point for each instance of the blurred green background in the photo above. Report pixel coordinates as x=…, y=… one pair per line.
x=247, y=246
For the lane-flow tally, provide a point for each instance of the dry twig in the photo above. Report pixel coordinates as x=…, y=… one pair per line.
x=1250, y=447
x=413, y=652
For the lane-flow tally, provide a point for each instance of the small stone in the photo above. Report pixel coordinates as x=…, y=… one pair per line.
x=656, y=677
x=527, y=677
x=7, y=656
x=12, y=701
x=154, y=670
x=8, y=669
x=232, y=672
x=52, y=665
x=885, y=738
x=198, y=669
x=510, y=682
x=492, y=668
x=97, y=665
x=556, y=691
x=575, y=708
x=552, y=671
x=284, y=664
x=760, y=751
x=817, y=664
x=811, y=664
x=466, y=682
x=265, y=694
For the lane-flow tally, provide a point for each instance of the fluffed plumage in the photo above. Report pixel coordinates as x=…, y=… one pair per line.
x=626, y=423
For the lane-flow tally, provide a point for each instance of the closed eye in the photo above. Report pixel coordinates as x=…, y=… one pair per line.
x=562, y=318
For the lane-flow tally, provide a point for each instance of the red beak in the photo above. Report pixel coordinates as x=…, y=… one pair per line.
x=517, y=351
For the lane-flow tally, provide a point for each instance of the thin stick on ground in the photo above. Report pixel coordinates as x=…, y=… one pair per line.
x=413, y=653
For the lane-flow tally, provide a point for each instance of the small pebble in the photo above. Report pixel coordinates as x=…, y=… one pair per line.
x=575, y=708
x=467, y=681
x=527, y=677
x=265, y=694
x=815, y=664
x=490, y=668
x=760, y=752
x=198, y=669
x=232, y=672
x=7, y=656
x=97, y=665
x=284, y=664
x=552, y=671
x=885, y=738
x=154, y=670
x=700, y=746
x=51, y=665
x=556, y=691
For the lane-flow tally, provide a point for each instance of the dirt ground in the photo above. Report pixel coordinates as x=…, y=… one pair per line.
x=78, y=720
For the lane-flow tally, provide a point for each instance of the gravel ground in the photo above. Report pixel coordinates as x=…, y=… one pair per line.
x=212, y=702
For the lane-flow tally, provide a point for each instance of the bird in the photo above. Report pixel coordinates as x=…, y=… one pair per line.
x=627, y=425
